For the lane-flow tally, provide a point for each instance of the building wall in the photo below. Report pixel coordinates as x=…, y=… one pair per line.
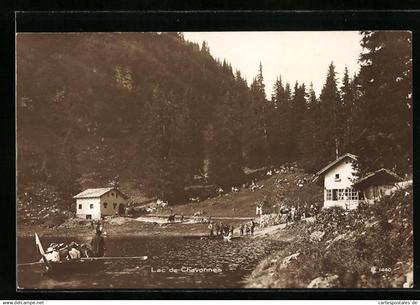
x=86, y=208
x=112, y=198
x=345, y=171
x=375, y=193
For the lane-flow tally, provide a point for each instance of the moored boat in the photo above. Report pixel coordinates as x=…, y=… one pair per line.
x=73, y=266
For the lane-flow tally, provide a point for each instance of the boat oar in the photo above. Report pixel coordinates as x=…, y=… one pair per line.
x=114, y=257
x=29, y=264
x=93, y=258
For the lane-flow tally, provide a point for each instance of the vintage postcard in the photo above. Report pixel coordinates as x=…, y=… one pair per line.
x=214, y=160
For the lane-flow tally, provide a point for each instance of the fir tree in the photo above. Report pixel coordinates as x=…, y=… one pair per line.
x=330, y=107
x=256, y=134
x=386, y=79
x=296, y=116
x=309, y=144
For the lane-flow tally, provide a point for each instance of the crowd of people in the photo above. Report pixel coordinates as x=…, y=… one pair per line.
x=224, y=230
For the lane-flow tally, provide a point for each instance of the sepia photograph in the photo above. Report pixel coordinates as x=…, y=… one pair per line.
x=196, y=160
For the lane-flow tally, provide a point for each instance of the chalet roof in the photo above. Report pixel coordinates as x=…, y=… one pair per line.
x=379, y=177
x=336, y=161
x=97, y=192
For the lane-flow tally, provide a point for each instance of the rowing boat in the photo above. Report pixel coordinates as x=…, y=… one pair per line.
x=80, y=265
x=73, y=266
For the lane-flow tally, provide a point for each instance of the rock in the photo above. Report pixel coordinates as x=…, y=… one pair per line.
x=317, y=236
x=409, y=280
x=287, y=260
x=337, y=238
x=371, y=224
x=310, y=219
x=330, y=281
x=374, y=270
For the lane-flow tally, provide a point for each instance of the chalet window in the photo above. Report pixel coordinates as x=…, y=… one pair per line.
x=354, y=195
x=341, y=193
x=115, y=206
x=91, y=205
x=80, y=206
x=105, y=204
x=329, y=195
x=337, y=177
x=88, y=216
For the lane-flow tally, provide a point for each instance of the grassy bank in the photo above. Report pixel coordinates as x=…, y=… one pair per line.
x=290, y=185
x=116, y=227
x=367, y=248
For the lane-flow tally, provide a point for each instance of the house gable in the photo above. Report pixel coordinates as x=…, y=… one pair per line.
x=349, y=158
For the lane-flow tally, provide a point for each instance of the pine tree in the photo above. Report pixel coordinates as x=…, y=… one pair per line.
x=256, y=134
x=386, y=80
x=225, y=154
x=330, y=107
x=296, y=116
x=164, y=155
x=308, y=141
x=349, y=111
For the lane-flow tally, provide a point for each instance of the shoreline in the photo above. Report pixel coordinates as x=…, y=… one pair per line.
x=139, y=227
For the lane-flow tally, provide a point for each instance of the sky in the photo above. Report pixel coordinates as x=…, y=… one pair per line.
x=295, y=56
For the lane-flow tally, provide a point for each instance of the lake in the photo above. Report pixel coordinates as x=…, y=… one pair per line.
x=173, y=262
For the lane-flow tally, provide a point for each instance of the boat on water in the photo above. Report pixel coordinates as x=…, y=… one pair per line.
x=78, y=265
x=73, y=266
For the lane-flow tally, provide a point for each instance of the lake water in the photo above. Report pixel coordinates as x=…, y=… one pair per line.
x=173, y=262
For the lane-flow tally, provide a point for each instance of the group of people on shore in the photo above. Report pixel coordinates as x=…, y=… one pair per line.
x=221, y=229
x=298, y=213
x=247, y=228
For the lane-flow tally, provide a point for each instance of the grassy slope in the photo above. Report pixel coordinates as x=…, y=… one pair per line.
x=356, y=244
x=279, y=187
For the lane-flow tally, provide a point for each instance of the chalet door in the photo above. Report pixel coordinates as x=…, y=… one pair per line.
x=335, y=194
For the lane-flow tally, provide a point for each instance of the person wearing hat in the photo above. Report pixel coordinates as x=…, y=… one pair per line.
x=98, y=244
x=52, y=254
x=85, y=250
x=74, y=250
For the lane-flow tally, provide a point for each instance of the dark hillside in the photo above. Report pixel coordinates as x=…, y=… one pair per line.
x=85, y=103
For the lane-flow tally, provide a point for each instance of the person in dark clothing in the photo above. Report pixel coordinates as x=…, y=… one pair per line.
x=211, y=228
x=252, y=226
x=241, y=229
x=98, y=244
x=247, y=229
x=216, y=229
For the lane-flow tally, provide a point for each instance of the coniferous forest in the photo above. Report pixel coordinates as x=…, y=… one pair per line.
x=158, y=110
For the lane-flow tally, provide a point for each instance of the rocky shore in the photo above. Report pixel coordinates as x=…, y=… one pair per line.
x=369, y=248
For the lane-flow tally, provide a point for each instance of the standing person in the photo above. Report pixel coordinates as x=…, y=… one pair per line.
x=247, y=229
x=252, y=226
x=231, y=228
x=98, y=244
x=293, y=213
x=221, y=227
x=210, y=229
x=241, y=229
x=182, y=217
x=216, y=229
